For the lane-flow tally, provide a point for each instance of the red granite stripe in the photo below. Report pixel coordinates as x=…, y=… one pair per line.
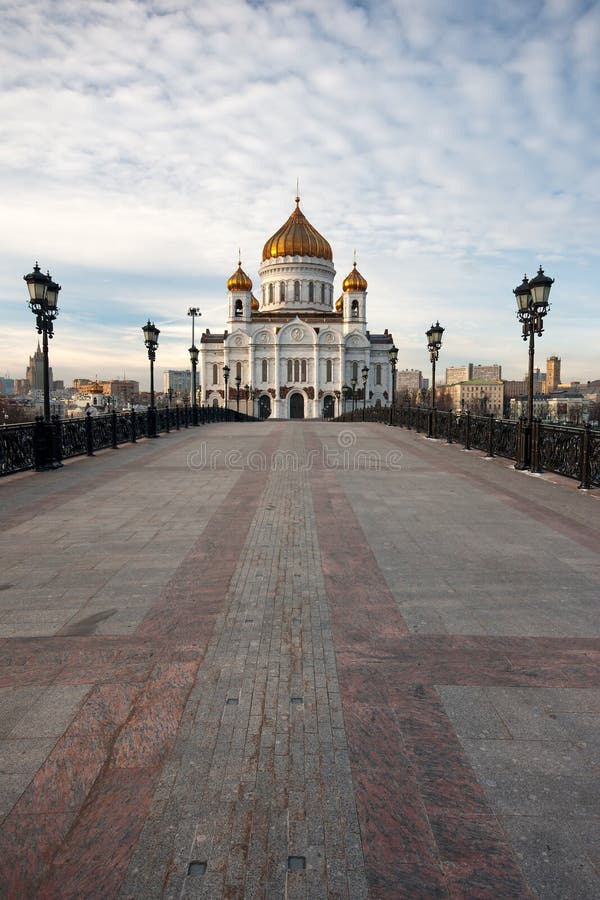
x=38, y=823
x=407, y=762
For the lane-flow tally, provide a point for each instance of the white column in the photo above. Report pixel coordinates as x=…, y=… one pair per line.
x=276, y=379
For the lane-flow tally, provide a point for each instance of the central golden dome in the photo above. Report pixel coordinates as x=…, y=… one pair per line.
x=297, y=238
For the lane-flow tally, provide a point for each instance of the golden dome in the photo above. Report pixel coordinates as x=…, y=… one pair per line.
x=339, y=304
x=354, y=281
x=239, y=281
x=297, y=238
x=254, y=304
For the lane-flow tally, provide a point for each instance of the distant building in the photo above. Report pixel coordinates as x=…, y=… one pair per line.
x=124, y=389
x=570, y=406
x=58, y=385
x=21, y=387
x=7, y=386
x=486, y=373
x=473, y=372
x=456, y=374
x=178, y=381
x=518, y=406
x=552, y=374
x=408, y=381
x=478, y=397
x=35, y=371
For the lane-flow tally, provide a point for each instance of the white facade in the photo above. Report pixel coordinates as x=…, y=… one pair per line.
x=296, y=349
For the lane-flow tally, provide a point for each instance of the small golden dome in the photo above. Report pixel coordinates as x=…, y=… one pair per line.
x=254, y=304
x=354, y=281
x=339, y=304
x=297, y=238
x=239, y=281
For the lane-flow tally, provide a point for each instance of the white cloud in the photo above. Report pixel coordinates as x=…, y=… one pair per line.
x=153, y=139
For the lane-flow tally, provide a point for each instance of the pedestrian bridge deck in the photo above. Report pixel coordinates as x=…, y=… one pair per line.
x=298, y=659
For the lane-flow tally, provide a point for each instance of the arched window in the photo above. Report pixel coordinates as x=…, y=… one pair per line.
x=303, y=370
x=215, y=373
x=281, y=292
x=296, y=370
x=311, y=292
x=290, y=370
x=264, y=293
x=355, y=309
x=270, y=293
x=322, y=293
x=216, y=402
x=329, y=370
x=238, y=370
x=296, y=291
x=355, y=370
x=265, y=370
x=239, y=308
x=378, y=373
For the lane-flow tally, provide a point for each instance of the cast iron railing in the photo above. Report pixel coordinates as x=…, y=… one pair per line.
x=573, y=451
x=43, y=445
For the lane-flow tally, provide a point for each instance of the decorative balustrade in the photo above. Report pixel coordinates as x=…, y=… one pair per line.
x=43, y=445
x=573, y=451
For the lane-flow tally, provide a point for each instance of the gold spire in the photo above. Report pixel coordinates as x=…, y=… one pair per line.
x=297, y=237
x=354, y=281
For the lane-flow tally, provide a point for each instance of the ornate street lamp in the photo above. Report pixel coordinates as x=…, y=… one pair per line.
x=247, y=390
x=193, y=311
x=532, y=305
x=353, y=383
x=434, y=342
x=43, y=298
x=194, y=361
x=151, y=333
x=238, y=381
x=393, y=355
x=226, y=371
x=365, y=375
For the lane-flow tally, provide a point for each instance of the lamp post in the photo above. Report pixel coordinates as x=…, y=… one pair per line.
x=151, y=333
x=393, y=356
x=365, y=375
x=193, y=311
x=43, y=297
x=238, y=381
x=194, y=361
x=532, y=305
x=353, y=383
x=226, y=371
x=247, y=390
x=434, y=342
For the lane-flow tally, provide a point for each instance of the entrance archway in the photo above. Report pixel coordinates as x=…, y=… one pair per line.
x=328, y=407
x=264, y=406
x=296, y=406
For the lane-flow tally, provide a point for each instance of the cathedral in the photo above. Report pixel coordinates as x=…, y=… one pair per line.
x=296, y=352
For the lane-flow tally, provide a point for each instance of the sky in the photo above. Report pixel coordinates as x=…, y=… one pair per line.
x=452, y=143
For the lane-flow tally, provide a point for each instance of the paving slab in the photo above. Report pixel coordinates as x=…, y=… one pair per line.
x=298, y=659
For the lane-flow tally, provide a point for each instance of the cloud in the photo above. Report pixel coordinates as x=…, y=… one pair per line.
x=444, y=141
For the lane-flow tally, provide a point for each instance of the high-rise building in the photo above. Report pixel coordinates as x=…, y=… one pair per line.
x=408, y=381
x=178, y=381
x=35, y=371
x=552, y=374
x=486, y=373
x=455, y=374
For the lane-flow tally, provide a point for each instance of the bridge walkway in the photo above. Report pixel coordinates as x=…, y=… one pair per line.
x=298, y=659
